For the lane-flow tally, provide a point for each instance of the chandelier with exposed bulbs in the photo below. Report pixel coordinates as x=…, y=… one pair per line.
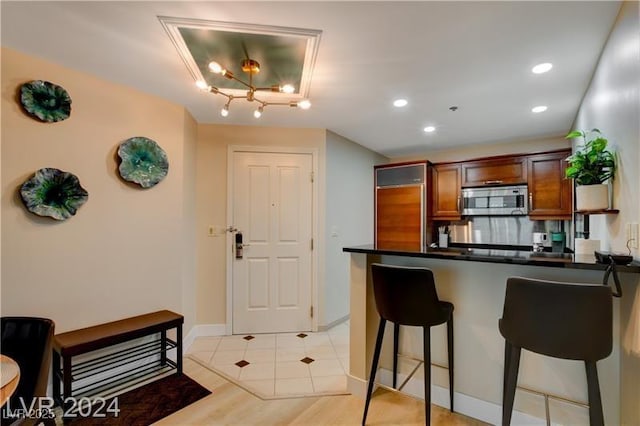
x=251, y=67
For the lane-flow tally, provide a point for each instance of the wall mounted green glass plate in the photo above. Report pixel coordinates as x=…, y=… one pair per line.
x=54, y=193
x=143, y=161
x=45, y=101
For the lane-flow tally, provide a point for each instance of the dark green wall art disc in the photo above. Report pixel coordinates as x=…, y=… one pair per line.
x=143, y=161
x=45, y=101
x=54, y=193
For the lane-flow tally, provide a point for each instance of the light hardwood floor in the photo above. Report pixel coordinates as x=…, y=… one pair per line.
x=229, y=404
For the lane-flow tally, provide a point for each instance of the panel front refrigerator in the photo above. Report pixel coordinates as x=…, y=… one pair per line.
x=400, y=206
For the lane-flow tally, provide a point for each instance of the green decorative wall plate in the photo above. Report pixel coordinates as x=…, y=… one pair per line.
x=54, y=193
x=143, y=161
x=45, y=101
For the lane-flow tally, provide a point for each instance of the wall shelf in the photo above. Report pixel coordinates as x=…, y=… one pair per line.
x=585, y=219
x=603, y=211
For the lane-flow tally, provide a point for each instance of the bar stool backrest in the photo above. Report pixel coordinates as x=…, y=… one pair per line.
x=406, y=295
x=561, y=320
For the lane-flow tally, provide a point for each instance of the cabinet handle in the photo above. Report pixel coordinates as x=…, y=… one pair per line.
x=459, y=205
x=530, y=201
x=490, y=182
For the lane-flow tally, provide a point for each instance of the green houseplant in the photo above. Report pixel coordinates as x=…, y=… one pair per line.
x=591, y=166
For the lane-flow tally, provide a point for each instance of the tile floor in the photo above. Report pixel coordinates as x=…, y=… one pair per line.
x=280, y=365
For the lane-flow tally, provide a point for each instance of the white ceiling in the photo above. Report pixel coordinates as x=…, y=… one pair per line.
x=475, y=55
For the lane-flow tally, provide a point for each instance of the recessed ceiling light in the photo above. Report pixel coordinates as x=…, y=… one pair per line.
x=429, y=129
x=400, y=103
x=540, y=108
x=542, y=68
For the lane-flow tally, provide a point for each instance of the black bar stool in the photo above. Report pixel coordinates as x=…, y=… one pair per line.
x=561, y=320
x=407, y=296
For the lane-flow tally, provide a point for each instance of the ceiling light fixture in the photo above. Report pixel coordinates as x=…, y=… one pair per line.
x=429, y=129
x=542, y=68
x=541, y=108
x=399, y=103
x=251, y=67
x=288, y=88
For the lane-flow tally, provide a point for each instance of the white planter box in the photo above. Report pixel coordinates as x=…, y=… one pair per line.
x=592, y=197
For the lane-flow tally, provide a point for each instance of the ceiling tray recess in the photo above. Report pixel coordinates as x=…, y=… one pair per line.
x=285, y=54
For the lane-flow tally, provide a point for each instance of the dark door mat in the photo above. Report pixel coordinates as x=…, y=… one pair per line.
x=144, y=405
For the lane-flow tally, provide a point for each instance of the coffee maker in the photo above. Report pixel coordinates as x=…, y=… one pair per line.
x=539, y=238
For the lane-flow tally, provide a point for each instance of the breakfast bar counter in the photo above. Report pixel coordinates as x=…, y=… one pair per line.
x=497, y=255
x=474, y=280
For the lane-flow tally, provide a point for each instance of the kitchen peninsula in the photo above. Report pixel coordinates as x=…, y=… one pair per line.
x=474, y=281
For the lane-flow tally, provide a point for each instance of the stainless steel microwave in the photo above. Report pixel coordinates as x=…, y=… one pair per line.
x=504, y=200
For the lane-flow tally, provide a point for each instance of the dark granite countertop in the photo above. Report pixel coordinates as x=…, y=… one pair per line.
x=495, y=255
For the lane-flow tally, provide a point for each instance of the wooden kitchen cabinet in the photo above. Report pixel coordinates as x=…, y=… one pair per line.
x=550, y=193
x=446, y=201
x=491, y=172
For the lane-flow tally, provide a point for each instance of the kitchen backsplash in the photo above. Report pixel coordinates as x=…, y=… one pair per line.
x=505, y=230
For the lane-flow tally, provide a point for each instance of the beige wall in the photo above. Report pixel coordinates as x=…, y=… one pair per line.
x=123, y=252
x=211, y=203
x=189, y=220
x=488, y=150
x=612, y=104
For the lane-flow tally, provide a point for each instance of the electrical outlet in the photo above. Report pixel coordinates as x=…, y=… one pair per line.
x=632, y=234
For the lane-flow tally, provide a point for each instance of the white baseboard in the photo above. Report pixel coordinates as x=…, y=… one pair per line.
x=356, y=386
x=333, y=323
x=202, y=330
x=464, y=404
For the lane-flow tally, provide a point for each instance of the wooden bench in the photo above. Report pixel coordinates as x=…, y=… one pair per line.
x=114, y=370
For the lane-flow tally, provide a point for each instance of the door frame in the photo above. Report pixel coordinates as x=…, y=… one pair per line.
x=231, y=150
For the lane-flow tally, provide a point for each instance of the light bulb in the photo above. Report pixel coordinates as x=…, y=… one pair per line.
x=304, y=104
x=541, y=108
x=258, y=113
x=225, y=111
x=287, y=88
x=215, y=67
x=429, y=129
x=202, y=85
x=399, y=103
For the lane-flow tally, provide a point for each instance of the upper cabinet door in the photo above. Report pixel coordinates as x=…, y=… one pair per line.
x=550, y=193
x=504, y=171
x=446, y=198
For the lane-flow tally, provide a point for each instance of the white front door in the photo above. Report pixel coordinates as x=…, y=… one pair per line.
x=272, y=197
